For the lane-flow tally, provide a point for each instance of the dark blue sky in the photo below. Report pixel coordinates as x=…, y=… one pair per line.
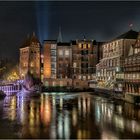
x=96, y=20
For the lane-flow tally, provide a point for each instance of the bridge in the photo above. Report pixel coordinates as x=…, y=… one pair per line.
x=10, y=88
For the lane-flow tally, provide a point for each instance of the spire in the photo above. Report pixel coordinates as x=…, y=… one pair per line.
x=33, y=33
x=59, y=36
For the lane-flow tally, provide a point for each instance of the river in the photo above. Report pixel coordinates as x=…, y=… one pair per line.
x=68, y=115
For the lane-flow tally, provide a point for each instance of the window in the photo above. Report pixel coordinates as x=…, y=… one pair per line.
x=53, y=59
x=79, y=77
x=67, y=52
x=84, y=46
x=74, y=65
x=84, y=77
x=53, y=46
x=61, y=52
x=53, y=65
x=80, y=45
x=53, y=52
x=84, y=52
x=32, y=64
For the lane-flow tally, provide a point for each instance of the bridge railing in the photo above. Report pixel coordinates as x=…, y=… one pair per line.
x=10, y=89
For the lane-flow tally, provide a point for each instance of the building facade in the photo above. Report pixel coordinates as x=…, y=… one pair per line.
x=111, y=66
x=84, y=60
x=64, y=60
x=132, y=72
x=49, y=55
x=70, y=64
x=57, y=64
x=30, y=57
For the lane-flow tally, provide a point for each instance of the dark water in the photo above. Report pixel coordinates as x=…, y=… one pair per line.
x=62, y=115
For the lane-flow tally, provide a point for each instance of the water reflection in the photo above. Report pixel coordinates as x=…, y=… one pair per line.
x=72, y=116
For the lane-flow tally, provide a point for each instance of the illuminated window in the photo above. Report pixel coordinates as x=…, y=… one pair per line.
x=84, y=77
x=74, y=64
x=84, y=46
x=88, y=45
x=53, y=46
x=66, y=52
x=61, y=52
x=80, y=45
x=32, y=64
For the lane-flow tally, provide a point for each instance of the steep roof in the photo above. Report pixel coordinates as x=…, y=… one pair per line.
x=29, y=40
x=128, y=35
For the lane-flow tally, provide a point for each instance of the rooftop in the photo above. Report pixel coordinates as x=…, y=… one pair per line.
x=63, y=44
x=128, y=35
x=30, y=39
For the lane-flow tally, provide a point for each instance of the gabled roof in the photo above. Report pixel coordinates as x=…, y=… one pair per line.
x=30, y=39
x=137, y=43
x=128, y=35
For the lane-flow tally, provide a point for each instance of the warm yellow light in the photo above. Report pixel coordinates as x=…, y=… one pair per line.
x=80, y=45
x=84, y=46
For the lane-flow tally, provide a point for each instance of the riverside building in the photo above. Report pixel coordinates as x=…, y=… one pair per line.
x=111, y=67
x=30, y=57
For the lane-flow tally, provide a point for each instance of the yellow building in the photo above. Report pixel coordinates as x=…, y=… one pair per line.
x=30, y=57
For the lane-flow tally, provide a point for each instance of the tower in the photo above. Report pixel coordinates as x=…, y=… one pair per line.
x=30, y=56
x=59, y=35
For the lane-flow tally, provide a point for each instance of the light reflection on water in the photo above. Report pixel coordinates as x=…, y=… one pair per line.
x=75, y=115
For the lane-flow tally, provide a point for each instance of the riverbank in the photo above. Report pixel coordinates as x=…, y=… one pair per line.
x=130, y=98
x=65, y=89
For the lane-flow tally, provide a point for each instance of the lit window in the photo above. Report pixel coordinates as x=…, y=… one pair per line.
x=88, y=76
x=88, y=45
x=61, y=52
x=84, y=46
x=84, y=77
x=53, y=46
x=80, y=45
x=66, y=52
x=32, y=64
x=74, y=65
x=53, y=52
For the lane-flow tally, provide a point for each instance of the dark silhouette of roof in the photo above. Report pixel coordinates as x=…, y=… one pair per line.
x=30, y=39
x=128, y=35
x=63, y=44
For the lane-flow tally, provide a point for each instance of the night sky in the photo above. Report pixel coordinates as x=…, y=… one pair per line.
x=101, y=21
